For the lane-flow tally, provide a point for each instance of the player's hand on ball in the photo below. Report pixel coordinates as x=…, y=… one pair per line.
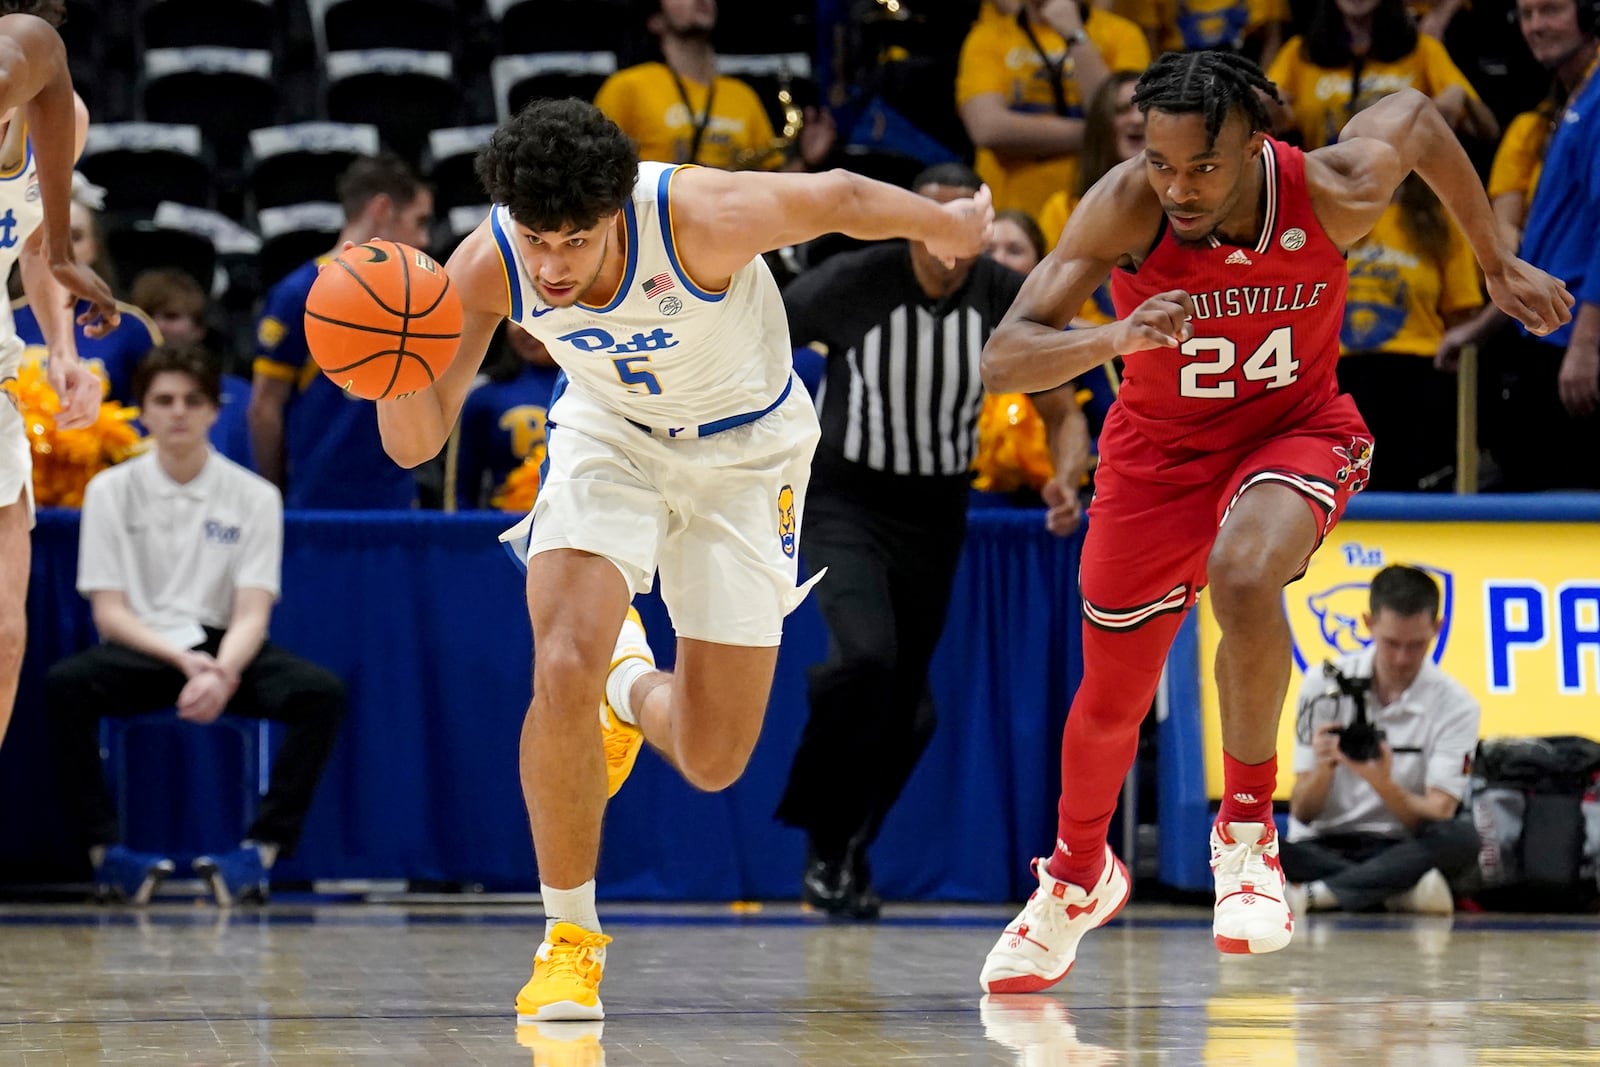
x=971, y=220
x=1537, y=300
x=1163, y=321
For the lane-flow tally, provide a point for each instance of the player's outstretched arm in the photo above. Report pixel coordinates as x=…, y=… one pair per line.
x=34, y=78
x=1351, y=183
x=415, y=427
x=1028, y=351
x=723, y=220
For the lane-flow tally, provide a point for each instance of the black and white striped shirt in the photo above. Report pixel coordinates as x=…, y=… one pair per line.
x=901, y=395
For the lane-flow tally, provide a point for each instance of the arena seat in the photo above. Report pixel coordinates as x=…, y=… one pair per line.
x=225, y=91
x=405, y=94
x=140, y=164
x=301, y=162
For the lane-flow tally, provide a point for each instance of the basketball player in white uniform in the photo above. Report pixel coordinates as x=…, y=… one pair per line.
x=679, y=444
x=42, y=128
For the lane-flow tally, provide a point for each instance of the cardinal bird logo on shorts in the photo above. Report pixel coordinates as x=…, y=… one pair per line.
x=1357, y=464
x=786, y=527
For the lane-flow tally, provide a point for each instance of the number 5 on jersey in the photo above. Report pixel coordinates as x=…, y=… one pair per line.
x=1273, y=362
x=630, y=376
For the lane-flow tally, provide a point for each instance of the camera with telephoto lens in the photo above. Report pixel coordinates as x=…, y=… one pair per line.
x=1359, y=740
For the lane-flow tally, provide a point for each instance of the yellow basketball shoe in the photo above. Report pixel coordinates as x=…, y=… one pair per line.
x=566, y=977
x=623, y=741
x=565, y=1044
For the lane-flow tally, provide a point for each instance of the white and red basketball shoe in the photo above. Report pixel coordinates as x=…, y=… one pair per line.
x=1251, y=915
x=1038, y=948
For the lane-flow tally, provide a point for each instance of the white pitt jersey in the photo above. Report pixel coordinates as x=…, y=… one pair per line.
x=21, y=212
x=663, y=353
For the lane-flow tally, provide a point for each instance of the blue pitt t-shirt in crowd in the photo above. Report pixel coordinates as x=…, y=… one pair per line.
x=333, y=455
x=1565, y=214
x=501, y=424
x=114, y=356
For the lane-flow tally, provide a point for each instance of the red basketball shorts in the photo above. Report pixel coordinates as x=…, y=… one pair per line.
x=1157, y=509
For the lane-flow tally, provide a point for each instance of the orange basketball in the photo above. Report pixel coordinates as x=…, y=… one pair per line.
x=382, y=320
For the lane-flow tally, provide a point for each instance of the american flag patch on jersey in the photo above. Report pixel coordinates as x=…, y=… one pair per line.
x=658, y=285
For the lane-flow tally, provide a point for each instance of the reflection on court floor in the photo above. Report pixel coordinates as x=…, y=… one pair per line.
x=307, y=985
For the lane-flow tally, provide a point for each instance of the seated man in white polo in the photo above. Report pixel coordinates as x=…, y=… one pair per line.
x=1384, y=746
x=180, y=552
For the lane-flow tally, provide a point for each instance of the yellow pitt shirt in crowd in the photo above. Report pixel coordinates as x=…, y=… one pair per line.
x=1096, y=310
x=1399, y=295
x=1320, y=96
x=997, y=57
x=1193, y=25
x=645, y=102
x=1520, y=158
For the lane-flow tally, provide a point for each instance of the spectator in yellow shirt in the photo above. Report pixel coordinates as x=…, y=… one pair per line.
x=1411, y=278
x=1114, y=132
x=1021, y=86
x=682, y=111
x=1517, y=164
x=1253, y=27
x=1358, y=51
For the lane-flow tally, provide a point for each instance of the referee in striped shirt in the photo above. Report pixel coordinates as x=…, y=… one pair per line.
x=886, y=513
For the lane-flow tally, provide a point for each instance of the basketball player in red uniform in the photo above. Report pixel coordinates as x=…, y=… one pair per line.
x=1229, y=455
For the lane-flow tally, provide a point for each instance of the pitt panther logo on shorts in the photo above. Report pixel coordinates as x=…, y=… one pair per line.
x=786, y=525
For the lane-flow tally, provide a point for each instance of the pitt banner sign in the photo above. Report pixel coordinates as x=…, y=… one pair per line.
x=1521, y=622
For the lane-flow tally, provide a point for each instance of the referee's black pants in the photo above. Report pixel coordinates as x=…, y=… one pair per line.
x=115, y=680
x=890, y=565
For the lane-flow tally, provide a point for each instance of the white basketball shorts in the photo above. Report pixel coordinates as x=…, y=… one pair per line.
x=718, y=516
x=16, y=460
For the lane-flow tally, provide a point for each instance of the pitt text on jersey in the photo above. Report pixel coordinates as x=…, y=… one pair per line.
x=1256, y=299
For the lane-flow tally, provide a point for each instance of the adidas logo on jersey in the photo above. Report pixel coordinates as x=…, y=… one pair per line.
x=1238, y=256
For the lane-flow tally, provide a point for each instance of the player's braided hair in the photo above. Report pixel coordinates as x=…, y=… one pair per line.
x=1207, y=83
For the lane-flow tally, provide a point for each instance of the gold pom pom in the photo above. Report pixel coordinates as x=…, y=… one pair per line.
x=516, y=493
x=65, y=460
x=1013, y=448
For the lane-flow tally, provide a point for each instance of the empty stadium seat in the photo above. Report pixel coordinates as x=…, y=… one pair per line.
x=355, y=25
x=143, y=245
x=523, y=27
x=140, y=164
x=405, y=94
x=448, y=163
x=554, y=75
x=302, y=162
x=225, y=91
x=293, y=234
x=195, y=23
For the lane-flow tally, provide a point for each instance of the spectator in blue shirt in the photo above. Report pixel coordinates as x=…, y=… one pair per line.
x=1545, y=434
x=502, y=421
x=320, y=446
x=115, y=355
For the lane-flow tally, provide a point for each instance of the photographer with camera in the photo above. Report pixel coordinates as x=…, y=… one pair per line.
x=1384, y=743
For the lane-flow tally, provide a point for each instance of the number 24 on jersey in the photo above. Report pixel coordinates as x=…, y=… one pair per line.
x=1272, y=362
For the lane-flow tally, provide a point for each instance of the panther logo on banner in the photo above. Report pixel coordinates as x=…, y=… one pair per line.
x=1325, y=610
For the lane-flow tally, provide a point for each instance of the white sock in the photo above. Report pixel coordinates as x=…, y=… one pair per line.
x=619, y=687
x=267, y=851
x=1320, y=897
x=574, y=906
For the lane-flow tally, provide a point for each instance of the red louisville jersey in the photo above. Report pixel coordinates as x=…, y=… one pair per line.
x=1266, y=325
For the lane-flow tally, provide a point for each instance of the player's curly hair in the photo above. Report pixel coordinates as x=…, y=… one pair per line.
x=1209, y=84
x=52, y=11
x=559, y=164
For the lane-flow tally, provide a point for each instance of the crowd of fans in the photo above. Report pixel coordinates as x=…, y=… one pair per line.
x=1038, y=100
